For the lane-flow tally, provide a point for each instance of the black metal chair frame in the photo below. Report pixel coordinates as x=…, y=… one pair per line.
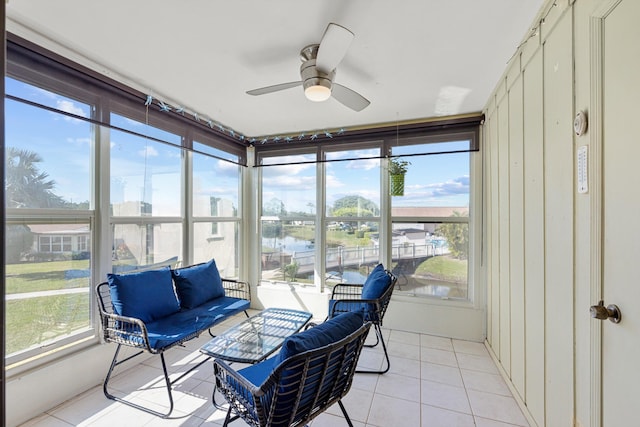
x=132, y=332
x=297, y=376
x=348, y=297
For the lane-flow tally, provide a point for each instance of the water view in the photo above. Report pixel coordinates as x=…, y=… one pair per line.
x=424, y=266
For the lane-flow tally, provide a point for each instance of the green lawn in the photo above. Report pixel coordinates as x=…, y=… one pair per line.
x=35, y=321
x=44, y=276
x=334, y=237
x=444, y=268
x=301, y=232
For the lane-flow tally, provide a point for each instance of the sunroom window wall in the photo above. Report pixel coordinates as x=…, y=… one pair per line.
x=97, y=182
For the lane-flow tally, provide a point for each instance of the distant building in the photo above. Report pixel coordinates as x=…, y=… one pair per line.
x=60, y=238
x=424, y=213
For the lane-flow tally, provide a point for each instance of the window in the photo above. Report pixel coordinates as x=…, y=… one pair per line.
x=288, y=218
x=48, y=184
x=146, y=175
x=352, y=187
x=422, y=234
x=82, y=243
x=146, y=183
x=430, y=221
x=81, y=152
x=215, y=207
x=55, y=243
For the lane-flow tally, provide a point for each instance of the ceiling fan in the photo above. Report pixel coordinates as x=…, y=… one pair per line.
x=318, y=70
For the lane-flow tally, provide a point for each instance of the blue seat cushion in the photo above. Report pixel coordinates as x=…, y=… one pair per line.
x=258, y=373
x=328, y=332
x=186, y=323
x=147, y=295
x=197, y=284
x=376, y=284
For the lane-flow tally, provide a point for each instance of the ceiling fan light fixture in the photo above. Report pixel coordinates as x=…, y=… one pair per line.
x=317, y=92
x=316, y=84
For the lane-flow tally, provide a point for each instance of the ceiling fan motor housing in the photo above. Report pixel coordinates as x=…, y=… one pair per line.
x=311, y=76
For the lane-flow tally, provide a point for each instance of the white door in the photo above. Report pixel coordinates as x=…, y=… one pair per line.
x=621, y=213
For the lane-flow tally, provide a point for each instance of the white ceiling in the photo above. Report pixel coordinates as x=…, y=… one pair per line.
x=413, y=59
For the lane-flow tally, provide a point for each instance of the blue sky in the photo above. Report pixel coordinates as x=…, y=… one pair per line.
x=63, y=143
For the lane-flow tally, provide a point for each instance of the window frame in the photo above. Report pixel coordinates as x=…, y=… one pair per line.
x=23, y=67
x=386, y=139
x=41, y=68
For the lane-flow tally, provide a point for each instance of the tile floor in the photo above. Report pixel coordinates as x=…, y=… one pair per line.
x=433, y=381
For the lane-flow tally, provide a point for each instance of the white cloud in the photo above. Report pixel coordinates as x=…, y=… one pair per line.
x=291, y=182
x=333, y=182
x=288, y=159
x=224, y=166
x=44, y=93
x=132, y=122
x=448, y=188
x=148, y=151
x=453, y=192
x=79, y=141
x=364, y=164
x=353, y=154
x=289, y=169
x=69, y=107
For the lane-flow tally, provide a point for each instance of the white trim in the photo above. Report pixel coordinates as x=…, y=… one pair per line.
x=596, y=32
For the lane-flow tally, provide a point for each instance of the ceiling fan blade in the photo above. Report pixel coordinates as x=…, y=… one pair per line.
x=349, y=98
x=274, y=88
x=333, y=47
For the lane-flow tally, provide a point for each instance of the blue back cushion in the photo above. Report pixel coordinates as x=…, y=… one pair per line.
x=147, y=295
x=329, y=332
x=198, y=284
x=376, y=284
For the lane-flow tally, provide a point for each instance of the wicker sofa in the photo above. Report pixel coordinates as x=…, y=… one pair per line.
x=155, y=310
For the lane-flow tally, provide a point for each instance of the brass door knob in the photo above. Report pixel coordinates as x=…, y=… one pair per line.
x=611, y=312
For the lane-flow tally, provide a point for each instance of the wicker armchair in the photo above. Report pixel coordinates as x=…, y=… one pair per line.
x=372, y=299
x=292, y=388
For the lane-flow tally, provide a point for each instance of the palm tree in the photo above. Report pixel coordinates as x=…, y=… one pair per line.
x=25, y=186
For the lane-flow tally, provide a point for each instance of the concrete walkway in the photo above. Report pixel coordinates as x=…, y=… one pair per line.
x=25, y=295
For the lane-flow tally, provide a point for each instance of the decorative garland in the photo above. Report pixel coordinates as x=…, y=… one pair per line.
x=166, y=108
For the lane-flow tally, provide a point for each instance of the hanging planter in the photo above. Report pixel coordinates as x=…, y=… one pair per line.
x=397, y=184
x=397, y=170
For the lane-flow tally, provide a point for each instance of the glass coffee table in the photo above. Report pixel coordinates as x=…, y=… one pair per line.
x=256, y=338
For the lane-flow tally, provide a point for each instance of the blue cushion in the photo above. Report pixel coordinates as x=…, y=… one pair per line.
x=368, y=310
x=147, y=295
x=329, y=332
x=198, y=284
x=167, y=331
x=258, y=373
x=376, y=284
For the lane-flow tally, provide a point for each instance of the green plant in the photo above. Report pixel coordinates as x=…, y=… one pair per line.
x=457, y=236
x=291, y=270
x=398, y=166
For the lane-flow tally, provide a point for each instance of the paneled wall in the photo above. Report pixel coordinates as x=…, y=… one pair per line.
x=530, y=215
